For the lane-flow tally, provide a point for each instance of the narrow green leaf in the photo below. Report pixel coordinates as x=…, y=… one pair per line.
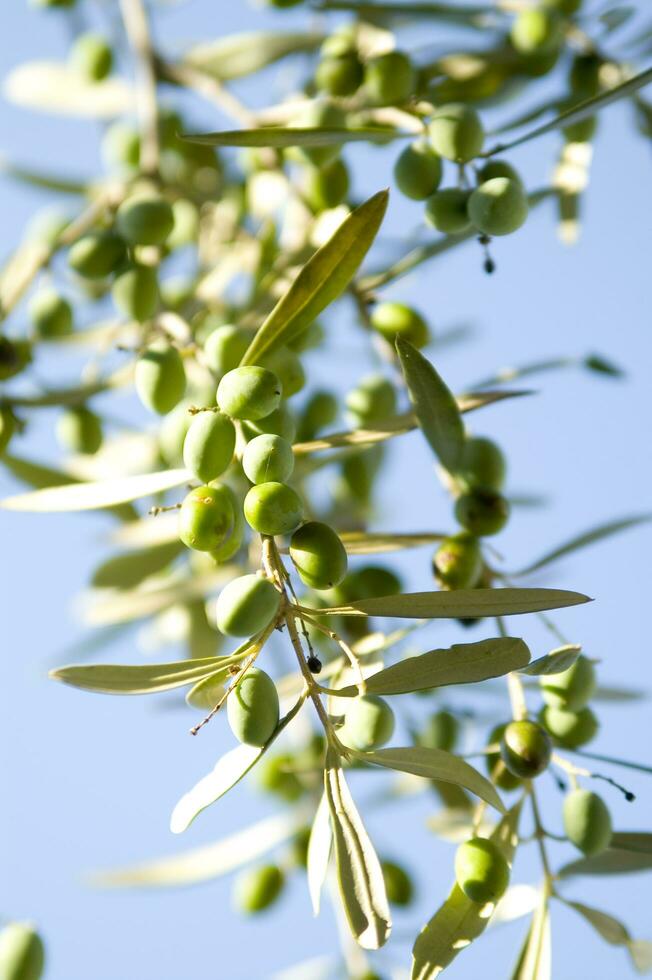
x=435, y=764
x=462, y=603
x=615, y=933
x=38, y=178
x=636, y=841
x=366, y=543
x=463, y=663
x=459, y=920
x=613, y=861
x=240, y=55
x=95, y=496
x=535, y=960
x=584, y=539
x=104, y=608
x=128, y=570
x=281, y=137
x=230, y=769
x=148, y=532
x=465, y=16
x=320, y=846
x=434, y=405
x=50, y=86
x=554, y=662
x=359, y=873
x=321, y=280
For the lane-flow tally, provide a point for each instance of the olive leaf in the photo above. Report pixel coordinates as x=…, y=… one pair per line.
x=434, y=405
x=106, y=608
x=459, y=920
x=320, y=845
x=129, y=570
x=53, y=87
x=434, y=764
x=535, y=960
x=465, y=16
x=279, y=137
x=461, y=603
x=554, y=662
x=584, y=539
x=627, y=853
x=144, y=678
x=463, y=663
x=97, y=495
x=230, y=769
x=148, y=532
x=39, y=178
x=359, y=873
x=517, y=902
x=321, y=280
x=615, y=933
x=243, y=54
x=366, y=543
x=208, y=862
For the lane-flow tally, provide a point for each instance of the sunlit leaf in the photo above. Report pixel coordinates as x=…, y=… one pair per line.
x=517, y=902
x=468, y=15
x=367, y=543
x=535, y=960
x=584, y=539
x=554, y=662
x=95, y=496
x=243, y=54
x=148, y=532
x=320, y=845
x=619, y=858
x=53, y=87
x=128, y=570
x=104, y=608
x=280, y=138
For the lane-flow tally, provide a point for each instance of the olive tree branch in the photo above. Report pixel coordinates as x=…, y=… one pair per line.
x=137, y=29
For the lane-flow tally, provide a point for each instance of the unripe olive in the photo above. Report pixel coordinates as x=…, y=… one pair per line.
x=398, y=883
x=341, y=41
x=393, y=320
x=498, y=771
x=372, y=581
x=135, y=292
x=232, y=544
x=268, y=458
x=7, y=427
x=278, y=423
x=319, y=115
x=79, y=431
x=45, y=227
x=52, y=3
x=525, y=748
x=418, y=171
x=224, y=348
x=160, y=378
x=207, y=517
x=186, y=224
x=570, y=729
x=584, y=76
x=172, y=433
x=358, y=474
x=176, y=291
x=145, y=219
x=121, y=146
x=368, y=723
x=566, y=7
x=318, y=555
x=481, y=870
x=287, y=367
x=457, y=563
x=15, y=355
x=319, y=412
x=275, y=776
x=499, y=206
x=536, y=31
x=447, y=211
x=373, y=400
x=258, y=888
x=273, y=508
x=22, y=956
x=440, y=731
x=209, y=445
x=456, y=132
x=340, y=74
x=92, y=57
x=249, y=392
x=51, y=314
x=498, y=168
x=482, y=512
x=390, y=78
x=581, y=132
x=483, y=464
x=246, y=606
x=97, y=254
x=573, y=688
x=253, y=706
x=587, y=821
x=327, y=186
x=300, y=843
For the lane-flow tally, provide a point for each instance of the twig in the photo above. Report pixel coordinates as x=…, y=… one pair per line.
x=137, y=30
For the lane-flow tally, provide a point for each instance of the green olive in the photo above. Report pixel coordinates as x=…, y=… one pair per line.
x=581, y=132
x=275, y=775
x=358, y=474
x=319, y=115
x=340, y=74
x=390, y=78
x=46, y=226
x=483, y=464
x=247, y=605
x=172, y=434
x=287, y=367
x=498, y=771
x=587, y=821
x=273, y=508
x=224, y=348
x=51, y=314
x=398, y=883
x=482, y=512
x=280, y=422
x=536, y=31
x=327, y=186
x=418, y=171
x=145, y=219
x=573, y=688
x=318, y=555
x=319, y=412
x=207, y=517
x=368, y=723
x=498, y=168
x=499, y=206
x=584, y=76
x=92, y=57
x=232, y=544
x=80, y=431
x=7, y=427
x=186, y=224
x=160, y=377
x=299, y=847
x=566, y=7
x=209, y=445
x=373, y=400
x=15, y=355
x=372, y=582
x=440, y=731
x=258, y=888
x=52, y=3
x=97, y=254
x=570, y=729
x=525, y=749
x=135, y=292
x=457, y=563
x=252, y=705
x=121, y=147
x=481, y=870
x=250, y=392
x=176, y=291
x=447, y=211
x=268, y=458
x=393, y=320
x=22, y=956
x=456, y=132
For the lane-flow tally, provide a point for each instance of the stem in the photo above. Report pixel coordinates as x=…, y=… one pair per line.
x=137, y=29
x=540, y=836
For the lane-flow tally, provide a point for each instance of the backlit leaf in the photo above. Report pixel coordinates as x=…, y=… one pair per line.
x=128, y=570
x=366, y=543
x=535, y=961
x=320, y=845
x=243, y=54
x=554, y=662
x=49, y=86
x=587, y=538
x=95, y=496
x=281, y=137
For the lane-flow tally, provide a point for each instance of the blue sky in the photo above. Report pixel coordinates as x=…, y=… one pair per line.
x=90, y=781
